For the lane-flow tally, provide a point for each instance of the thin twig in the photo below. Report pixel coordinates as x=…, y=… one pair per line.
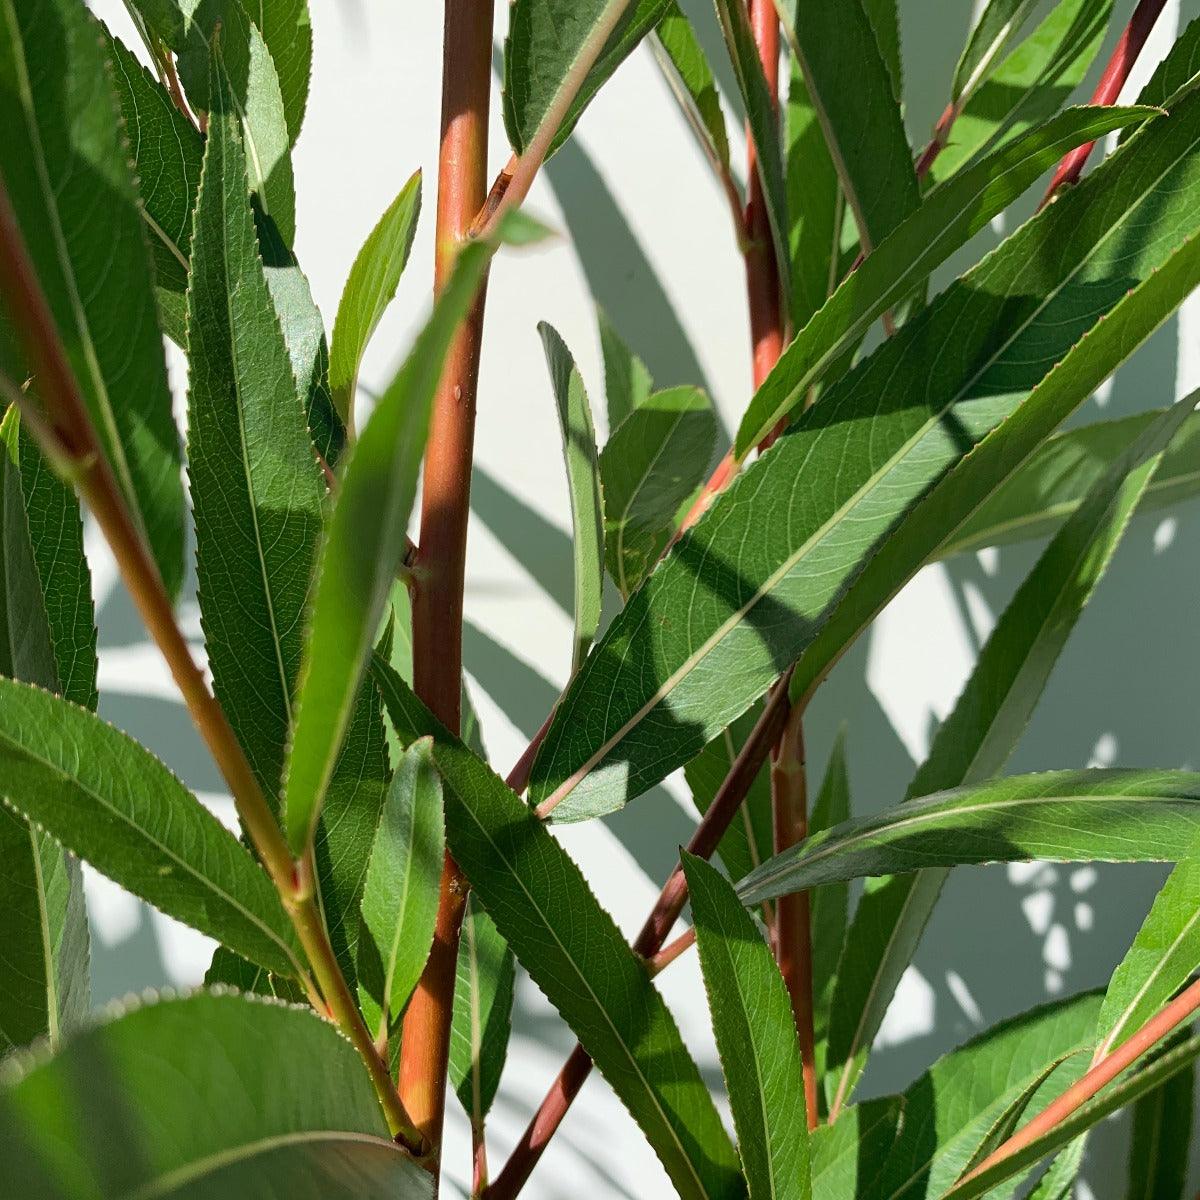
x=65, y=420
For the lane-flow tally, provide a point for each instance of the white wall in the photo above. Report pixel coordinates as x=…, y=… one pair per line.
x=645, y=233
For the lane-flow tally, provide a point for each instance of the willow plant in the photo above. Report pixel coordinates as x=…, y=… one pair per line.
x=388, y=883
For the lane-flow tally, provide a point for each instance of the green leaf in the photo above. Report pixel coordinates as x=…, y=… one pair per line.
x=584, y=966
x=113, y=804
x=761, y=578
x=286, y=29
x=211, y=1096
x=756, y=1037
x=1035, y=500
x=1126, y=1090
x=583, y=483
x=370, y=288
x=546, y=41
x=364, y=546
x=257, y=490
x=65, y=162
x=167, y=152
x=946, y=219
x=627, y=383
x=847, y=1158
x=236, y=972
x=762, y=114
x=400, y=899
x=44, y=970
x=1177, y=70
x=829, y=905
x=1163, y=956
x=1030, y=85
x=748, y=842
x=862, y=124
x=952, y=1111
x=482, y=1020
x=1066, y=816
x=1162, y=1136
x=816, y=206
x=885, y=21
x=998, y=24
x=690, y=78
x=982, y=731
x=650, y=467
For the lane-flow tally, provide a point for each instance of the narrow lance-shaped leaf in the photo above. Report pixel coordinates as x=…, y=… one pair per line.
x=65, y=164
x=116, y=806
x=689, y=76
x=1178, y=70
x=584, y=965
x=370, y=288
x=627, y=383
x=583, y=484
x=547, y=40
x=953, y=1110
x=1067, y=816
x=756, y=1037
x=44, y=968
x=863, y=129
x=1030, y=85
x=365, y=545
x=482, y=1020
x=684, y=658
x=1160, y=1148
x=998, y=24
x=830, y=905
x=946, y=219
x=1035, y=500
x=400, y=899
x=293, y=1113
x=982, y=731
x=1126, y=1090
x=762, y=113
x=1164, y=954
x=650, y=467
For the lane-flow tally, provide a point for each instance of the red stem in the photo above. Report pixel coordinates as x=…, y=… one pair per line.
x=438, y=596
x=528, y=1151
x=1133, y=39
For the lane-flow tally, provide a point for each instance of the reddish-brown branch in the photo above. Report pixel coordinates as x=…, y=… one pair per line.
x=649, y=942
x=793, y=928
x=438, y=597
x=1132, y=40
x=1104, y=1072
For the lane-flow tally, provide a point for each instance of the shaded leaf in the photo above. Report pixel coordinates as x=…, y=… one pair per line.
x=400, y=899
x=1177, y=70
x=650, y=467
x=1066, y=816
x=210, y=1096
x=65, y=162
x=1162, y=1136
x=115, y=805
x=546, y=39
x=370, y=288
x=482, y=1021
x=998, y=24
x=849, y=1156
x=584, y=965
x=776, y=556
x=756, y=1037
x=862, y=124
x=583, y=484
